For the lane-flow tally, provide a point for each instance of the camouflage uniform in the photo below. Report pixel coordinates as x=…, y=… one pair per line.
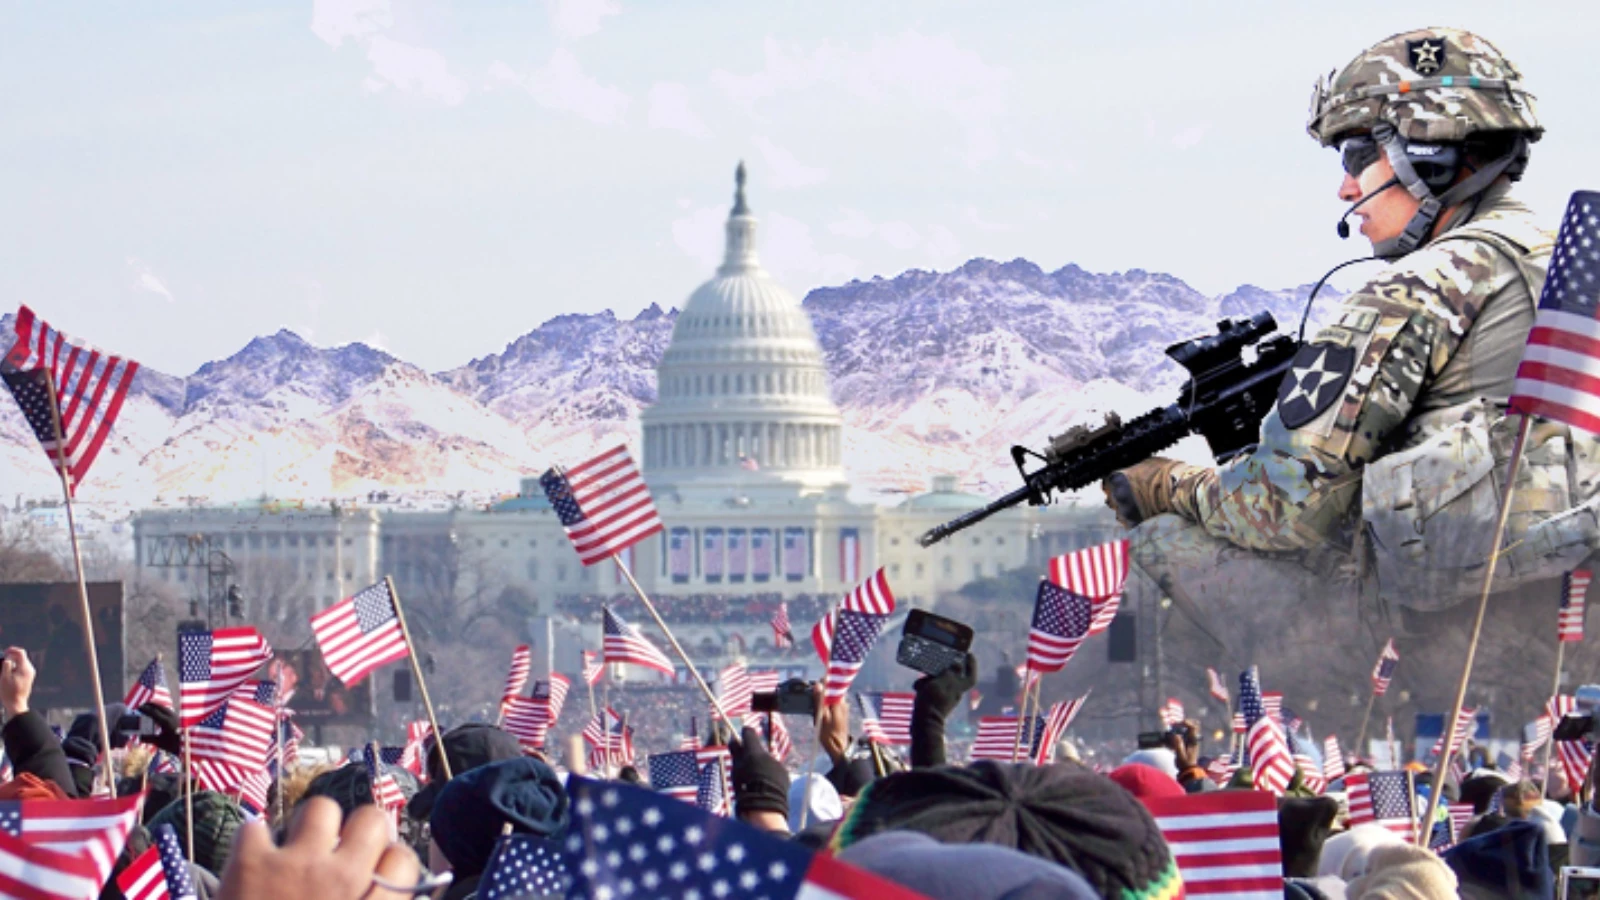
x=1380, y=465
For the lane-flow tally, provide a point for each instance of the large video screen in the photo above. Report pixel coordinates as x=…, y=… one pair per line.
x=46, y=619
x=315, y=695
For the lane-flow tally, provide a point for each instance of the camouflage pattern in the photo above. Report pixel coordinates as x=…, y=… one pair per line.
x=1434, y=84
x=1398, y=476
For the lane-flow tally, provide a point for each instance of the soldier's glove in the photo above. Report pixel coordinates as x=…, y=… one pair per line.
x=1144, y=490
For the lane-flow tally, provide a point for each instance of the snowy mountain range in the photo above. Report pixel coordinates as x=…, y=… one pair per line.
x=934, y=371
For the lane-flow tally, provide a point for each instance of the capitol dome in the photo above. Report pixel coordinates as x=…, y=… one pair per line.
x=743, y=399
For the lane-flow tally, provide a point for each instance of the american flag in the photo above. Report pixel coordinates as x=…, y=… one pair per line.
x=528, y=720
x=1270, y=762
x=779, y=743
x=1216, y=687
x=1225, y=843
x=1575, y=757
x=1385, y=798
x=160, y=872
x=385, y=791
x=997, y=738
x=711, y=553
x=1221, y=768
x=1561, y=363
x=150, y=688
x=1569, y=623
x=413, y=758
x=212, y=665
x=886, y=717
x=1332, y=759
x=89, y=387
x=603, y=504
x=761, y=554
x=782, y=631
x=517, y=674
x=360, y=634
x=622, y=643
x=607, y=733
x=1383, y=672
x=1535, y=733
x=1310, y=770
x=555, y=691
x=674, y=849
x=734, y=690
x=1172, y=712
x=593, y=667
x=1238, y=723
x=63, y=848
x=676, y=774
x=680, y=554
x=845, y=635
x=796, y=553
x=1458, y=735
x=237, y=733
x=1060, y=624
x=711, y=793
x=1098, y=573
x=1056, y=724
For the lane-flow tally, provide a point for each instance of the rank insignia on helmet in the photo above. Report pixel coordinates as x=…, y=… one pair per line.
x=1315, y=381
x=1426, y=55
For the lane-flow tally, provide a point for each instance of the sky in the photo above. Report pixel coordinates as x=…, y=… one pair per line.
x=436, y=178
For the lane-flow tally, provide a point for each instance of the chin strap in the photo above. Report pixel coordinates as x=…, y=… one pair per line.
x=1421, y=225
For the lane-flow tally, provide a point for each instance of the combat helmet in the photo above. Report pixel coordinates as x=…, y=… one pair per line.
x=1423, y=98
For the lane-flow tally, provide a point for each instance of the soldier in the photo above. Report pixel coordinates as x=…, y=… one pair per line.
x=1379, y=468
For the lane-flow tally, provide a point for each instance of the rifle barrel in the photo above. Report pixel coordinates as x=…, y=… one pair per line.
x=939, y=532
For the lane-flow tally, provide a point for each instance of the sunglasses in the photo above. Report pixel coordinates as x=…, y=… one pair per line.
x=1357, y=153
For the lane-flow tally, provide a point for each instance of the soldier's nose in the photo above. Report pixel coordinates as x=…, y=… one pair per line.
x=1349, y=189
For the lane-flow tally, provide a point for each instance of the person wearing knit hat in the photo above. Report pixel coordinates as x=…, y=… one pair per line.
x=471, y=810
x=216, y=820
x=1511, y=861
x=1403, y=872
x=1064, y=813
x=468, y=746
x=1159, y=758
x=1347, y=854
x=1146, y=783
x=965, y=871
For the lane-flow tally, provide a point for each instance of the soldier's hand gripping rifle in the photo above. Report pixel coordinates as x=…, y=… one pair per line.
x=1224, y=401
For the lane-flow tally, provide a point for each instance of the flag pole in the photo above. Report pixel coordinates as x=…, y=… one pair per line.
x=676, y=647
x=277, y=731
x=65, y=473
x=416, y=670
x=592, y=710
x=1361, y=736
x=188, y=794
x=1555, y=691
x=1022, y=712
x=1443, y=765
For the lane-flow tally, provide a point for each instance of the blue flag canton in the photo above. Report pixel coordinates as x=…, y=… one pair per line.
x=670, y=770
x=11, y=817
x=1573, y=283
x=217, y=719
x=153, y=675
x=1391, y=795
x=627, y=841
x=1250, y=703
x=854, y=633
x=33, y=398
x=194, y=656
x=613, y=625
x=173, y=864
x=1061, y=612
x=524, y=865
x=559, y=492
x=709, y=796
x=266, y=693
x=374, y=609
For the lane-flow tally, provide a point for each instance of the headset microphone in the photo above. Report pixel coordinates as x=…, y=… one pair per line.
x=1344, y=227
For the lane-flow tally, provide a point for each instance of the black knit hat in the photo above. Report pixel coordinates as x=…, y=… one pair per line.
x=1303, y=826
x=1065, y=813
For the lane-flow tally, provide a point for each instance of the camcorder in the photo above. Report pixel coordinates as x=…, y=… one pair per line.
x=136, y=725
x=1579, y=883
x=1152, y=739
x=795, y=697
x=1581, y=725
x=932, y=644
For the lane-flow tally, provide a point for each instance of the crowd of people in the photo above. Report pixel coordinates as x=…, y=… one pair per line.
x=705, y=609
x=918, y=819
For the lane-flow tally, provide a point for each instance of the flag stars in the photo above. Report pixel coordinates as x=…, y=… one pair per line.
x=720, y=888
x=637, y=853
x=777, y=871
x=651, y=817
x=590, y=868
x=707, y=862
x=624, y=825
x=665, y=843
x=693, y=834
x=679, y=870
x=748, y=879
x=609, y=799
x=600, y=833
x=613, y=859
x=735, y=853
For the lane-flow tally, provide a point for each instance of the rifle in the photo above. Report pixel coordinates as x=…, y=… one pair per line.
x=1224, y=401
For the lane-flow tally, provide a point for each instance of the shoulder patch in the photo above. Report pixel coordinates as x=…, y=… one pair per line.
x=1315, y=380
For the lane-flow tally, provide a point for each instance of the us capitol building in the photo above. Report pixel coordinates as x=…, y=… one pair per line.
x=742, y=452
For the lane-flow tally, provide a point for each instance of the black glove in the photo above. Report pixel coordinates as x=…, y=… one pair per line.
x=938, y=696
x=168, y=736
x=760, y=783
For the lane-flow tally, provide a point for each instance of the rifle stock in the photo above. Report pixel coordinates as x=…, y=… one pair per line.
x=1224, y=401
